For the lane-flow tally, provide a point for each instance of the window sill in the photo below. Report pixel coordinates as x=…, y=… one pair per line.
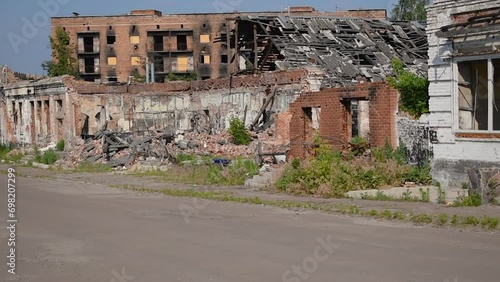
x=482, y=135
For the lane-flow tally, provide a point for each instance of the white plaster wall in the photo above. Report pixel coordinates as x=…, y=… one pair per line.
x=442, y=87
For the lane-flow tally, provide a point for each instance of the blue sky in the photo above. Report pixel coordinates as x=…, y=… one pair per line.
x=24, y=49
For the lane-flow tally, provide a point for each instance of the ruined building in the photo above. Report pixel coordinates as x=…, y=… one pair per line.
x=116, y=48
x=296, y=75
x=464, y=60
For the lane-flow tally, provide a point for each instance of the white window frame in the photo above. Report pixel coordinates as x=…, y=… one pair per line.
x=491, y=92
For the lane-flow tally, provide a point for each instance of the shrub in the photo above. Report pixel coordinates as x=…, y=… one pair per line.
x=413, y=89
x=49, y=157
x=60, y=145
x=329, y=175
x=5, y=149
x=235, y=174
x=239, y=133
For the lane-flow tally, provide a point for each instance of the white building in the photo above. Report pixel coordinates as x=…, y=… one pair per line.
x=464, y=74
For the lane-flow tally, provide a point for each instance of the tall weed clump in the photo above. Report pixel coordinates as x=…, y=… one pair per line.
x=330, y=174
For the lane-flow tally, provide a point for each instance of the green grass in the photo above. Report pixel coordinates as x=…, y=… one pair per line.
x=234, y=174
x=405, y=197
x=487, y=223
x=49, y=157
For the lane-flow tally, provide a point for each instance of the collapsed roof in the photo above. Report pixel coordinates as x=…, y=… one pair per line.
x=349, y=49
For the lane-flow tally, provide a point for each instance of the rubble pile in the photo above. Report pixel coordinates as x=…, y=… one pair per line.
x=120, y=149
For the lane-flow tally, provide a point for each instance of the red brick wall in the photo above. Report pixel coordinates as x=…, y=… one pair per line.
x=334, y=124
x=271, y=78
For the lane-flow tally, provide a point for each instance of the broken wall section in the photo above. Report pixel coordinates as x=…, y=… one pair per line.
x=36, y=112
x=329, y=114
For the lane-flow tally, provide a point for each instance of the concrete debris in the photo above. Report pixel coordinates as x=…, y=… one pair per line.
x=119, y=149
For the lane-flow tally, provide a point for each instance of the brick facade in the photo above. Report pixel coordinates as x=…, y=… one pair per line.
x=335, y=116
x=106, y=46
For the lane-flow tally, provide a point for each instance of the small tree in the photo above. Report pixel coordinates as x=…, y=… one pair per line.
x=413, y=90
x=62, y=61
x=239, y=133
x=410, y=10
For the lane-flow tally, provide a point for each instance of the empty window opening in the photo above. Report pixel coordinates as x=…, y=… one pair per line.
x=204, y=25
x=111, y=39
x=112, y=79
x=159, y=64
x=46, y=111
x=21, y=112
x=158, y=26
x=33, y=121
x=88, y=28
x=64, y=28
x=59, y=104
x=182, y=26
x=89, y=65
x=85, y=126
x=133, y=29
x=224, y=59
x=205, y=77
x=158, y=43
x=181, y=42
x=88, y=44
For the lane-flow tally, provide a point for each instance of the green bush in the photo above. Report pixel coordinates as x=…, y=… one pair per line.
x=234, y=174
x=239, y=133
x=60, y=145
x=5, y=149
x=330, y=175
x=413, y=89
x=49, y=157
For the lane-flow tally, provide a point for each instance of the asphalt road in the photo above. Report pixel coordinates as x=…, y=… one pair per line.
x=76, y=232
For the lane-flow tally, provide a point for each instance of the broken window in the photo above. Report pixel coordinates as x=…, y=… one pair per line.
x=158, y=43
x=111, y=39
x=205, y=59
x=181, y=42
x=479, y=95
x=224, y=59
x=89, y=65
x=88, y=44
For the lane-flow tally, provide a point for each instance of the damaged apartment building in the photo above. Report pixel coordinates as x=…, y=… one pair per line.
x=464, y=74
x=118, y=47
x=298, y=74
